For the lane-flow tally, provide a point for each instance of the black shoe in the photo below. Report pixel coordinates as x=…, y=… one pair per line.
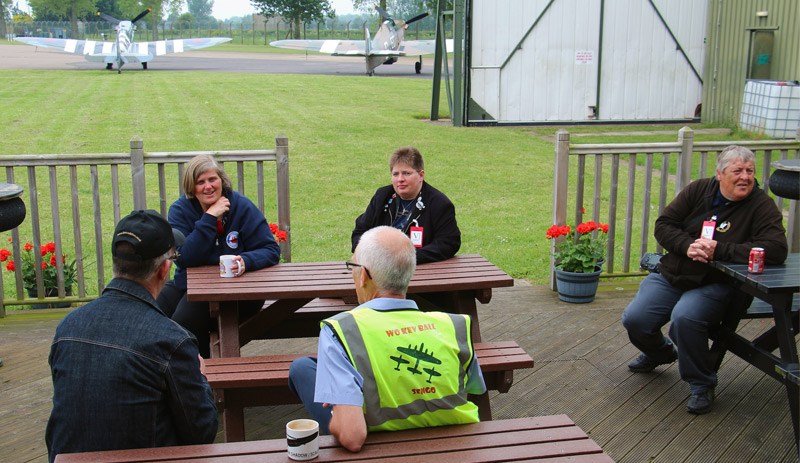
x=645, y=364
x=701, y=403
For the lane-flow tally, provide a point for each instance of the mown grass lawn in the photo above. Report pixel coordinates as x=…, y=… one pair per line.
x=341, y=131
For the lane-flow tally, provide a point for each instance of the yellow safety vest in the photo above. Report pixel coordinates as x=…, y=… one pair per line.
x=414, y=365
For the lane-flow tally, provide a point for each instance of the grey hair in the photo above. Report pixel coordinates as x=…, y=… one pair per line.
x=733, y=153
x=390, y=265
x=137, y=271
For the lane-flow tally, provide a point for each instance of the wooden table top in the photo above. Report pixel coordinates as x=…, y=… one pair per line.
x=555, y=438
x=332, y=279
x=784, y=278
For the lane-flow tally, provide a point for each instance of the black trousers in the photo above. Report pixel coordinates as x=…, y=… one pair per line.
x=194, y=315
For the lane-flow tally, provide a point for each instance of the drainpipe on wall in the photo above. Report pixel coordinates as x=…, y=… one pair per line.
x=716, y=62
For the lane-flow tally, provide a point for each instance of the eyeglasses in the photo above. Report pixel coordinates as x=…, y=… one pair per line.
x=174, y=257
x=350, y=266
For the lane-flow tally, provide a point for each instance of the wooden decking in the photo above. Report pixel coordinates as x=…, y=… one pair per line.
x=581, y=352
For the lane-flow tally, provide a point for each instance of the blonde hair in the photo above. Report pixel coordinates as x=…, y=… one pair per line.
x=197, y=166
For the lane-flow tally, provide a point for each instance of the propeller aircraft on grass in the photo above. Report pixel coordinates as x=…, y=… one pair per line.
x=388, y=45
x=124, y=50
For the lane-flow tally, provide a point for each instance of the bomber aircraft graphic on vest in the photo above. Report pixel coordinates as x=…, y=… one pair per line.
x=418, y=353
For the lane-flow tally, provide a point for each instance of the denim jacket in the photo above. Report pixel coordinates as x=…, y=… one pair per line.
x=126, y=376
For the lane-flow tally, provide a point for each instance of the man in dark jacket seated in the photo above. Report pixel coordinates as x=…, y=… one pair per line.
x=719, y=218
x=414, y=207
x=125, y=375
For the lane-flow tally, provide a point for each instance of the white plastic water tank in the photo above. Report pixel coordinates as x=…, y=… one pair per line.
x=771, y=107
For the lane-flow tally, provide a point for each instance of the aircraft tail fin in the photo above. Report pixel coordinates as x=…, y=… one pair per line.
x=367, y=40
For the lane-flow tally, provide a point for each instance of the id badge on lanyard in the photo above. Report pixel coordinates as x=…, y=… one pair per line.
x=708, y=228
x=415, y=233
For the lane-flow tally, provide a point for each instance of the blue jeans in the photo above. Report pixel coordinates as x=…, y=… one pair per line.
x=302, y=382
x=693, y=313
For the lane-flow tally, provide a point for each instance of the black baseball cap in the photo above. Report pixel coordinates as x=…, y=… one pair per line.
x=149, y=234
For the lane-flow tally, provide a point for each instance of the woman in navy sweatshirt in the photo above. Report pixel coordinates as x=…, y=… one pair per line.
x=216, y=221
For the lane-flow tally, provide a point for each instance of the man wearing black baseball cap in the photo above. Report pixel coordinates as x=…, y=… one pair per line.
x=124, y=374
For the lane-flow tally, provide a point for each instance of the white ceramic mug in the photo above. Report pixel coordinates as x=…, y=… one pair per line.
x=225, y=264
x=302, y=439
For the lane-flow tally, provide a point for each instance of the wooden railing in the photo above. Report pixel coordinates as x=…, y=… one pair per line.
x=89, y=186
x=656, y=172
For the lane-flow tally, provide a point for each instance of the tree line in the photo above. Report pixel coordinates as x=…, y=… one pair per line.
x=295, y=12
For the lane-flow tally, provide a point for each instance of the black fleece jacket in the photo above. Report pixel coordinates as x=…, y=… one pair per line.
x=441, y=237
x=754, y=221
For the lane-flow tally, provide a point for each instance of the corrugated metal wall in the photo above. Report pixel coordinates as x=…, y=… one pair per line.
x=644, y=75
x=727, y=51
x=551, y=74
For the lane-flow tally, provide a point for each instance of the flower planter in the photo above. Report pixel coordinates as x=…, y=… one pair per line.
x=578, y=288
x=50, y=292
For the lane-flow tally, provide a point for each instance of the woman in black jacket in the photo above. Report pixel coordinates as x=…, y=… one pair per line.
x=414, y=207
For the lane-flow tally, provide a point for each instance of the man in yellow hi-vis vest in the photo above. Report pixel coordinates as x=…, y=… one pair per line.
x=386, y=365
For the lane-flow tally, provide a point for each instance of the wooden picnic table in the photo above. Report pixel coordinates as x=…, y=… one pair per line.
x=454, y=285
x=554, y=439
x=776, y=286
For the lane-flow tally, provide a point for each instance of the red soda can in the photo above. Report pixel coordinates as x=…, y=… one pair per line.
x=756, y=262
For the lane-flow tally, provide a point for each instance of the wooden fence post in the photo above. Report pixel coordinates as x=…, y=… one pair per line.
x=559, y=192
x=137, y=173
x=683, y=171
x=282, y=170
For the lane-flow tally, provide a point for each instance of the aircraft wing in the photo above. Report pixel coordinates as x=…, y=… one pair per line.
x=67, y=45
x=181, y=45
x=422, y=47
x=147, y=50
x=333, y=47
x=140, y=50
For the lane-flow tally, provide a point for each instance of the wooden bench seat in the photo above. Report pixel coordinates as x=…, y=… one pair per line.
x=304, y=322
x=241, y=382
x=757, y=309
x=761, y=309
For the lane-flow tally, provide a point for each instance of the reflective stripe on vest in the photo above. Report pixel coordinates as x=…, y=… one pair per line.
x=346, y=327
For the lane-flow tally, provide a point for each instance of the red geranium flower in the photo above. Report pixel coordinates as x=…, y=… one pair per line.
x=582, y=253
x=50, y=272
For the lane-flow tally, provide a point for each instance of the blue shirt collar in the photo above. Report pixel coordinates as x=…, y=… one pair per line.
x=388, y=303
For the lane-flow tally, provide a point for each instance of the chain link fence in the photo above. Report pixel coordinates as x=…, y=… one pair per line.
x=257, y=31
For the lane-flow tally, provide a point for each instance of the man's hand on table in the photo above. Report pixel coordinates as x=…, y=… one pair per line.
x=348, y=426
x=702, y=250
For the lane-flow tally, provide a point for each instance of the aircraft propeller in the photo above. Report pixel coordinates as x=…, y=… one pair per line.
x=382, y=12
x=418, y=17
x=141, y=15
x=114, y=20
x=385, y=15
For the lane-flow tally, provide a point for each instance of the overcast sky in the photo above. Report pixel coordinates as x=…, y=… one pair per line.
x=224, y=9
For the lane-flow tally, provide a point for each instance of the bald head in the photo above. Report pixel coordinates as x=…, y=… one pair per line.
x=390, y=257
